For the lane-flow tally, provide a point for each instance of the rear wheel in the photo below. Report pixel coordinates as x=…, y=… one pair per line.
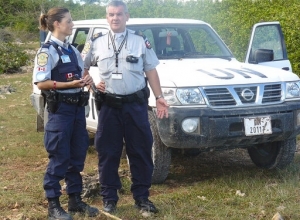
x=274, y=154
x=161, y=155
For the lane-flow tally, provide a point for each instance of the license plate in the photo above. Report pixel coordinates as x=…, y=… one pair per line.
x=258, y=125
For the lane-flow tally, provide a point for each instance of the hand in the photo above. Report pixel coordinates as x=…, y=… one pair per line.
x=101, y=86
x=88, y=80
x=162, y=108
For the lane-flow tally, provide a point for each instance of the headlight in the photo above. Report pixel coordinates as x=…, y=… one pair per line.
x=170, y=96
x=190, y=96
x=292, y=90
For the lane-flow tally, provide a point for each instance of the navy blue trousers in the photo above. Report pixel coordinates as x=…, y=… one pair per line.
x=131, y=123
x=66, y=141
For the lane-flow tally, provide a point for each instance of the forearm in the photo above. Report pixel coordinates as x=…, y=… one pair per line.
x=51, y=84
x=154, y=82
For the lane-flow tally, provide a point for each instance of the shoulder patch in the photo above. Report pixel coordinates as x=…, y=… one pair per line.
x=42, y=59
x=147, y=42
x=86, y=48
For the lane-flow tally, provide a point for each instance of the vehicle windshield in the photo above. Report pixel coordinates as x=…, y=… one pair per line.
x=184, y=41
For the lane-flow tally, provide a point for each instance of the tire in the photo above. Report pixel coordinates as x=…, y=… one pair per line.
x=274, y=154
x=161, y=155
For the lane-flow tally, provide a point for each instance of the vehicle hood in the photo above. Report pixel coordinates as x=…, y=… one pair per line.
x=217, y=72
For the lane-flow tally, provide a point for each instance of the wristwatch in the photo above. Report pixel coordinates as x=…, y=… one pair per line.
x=158, y=97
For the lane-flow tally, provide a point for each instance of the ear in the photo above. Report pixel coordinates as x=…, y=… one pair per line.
x=127, y=16
x=56, y=24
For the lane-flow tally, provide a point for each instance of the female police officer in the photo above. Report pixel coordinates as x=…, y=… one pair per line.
x=58, y=73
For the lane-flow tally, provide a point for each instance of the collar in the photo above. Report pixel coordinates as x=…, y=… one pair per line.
x=117, y=35
x=59, y=42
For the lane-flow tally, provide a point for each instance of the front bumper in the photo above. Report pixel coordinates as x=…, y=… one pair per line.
x=224, y=128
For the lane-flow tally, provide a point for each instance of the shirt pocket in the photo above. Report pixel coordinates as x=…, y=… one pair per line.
x=106, y=63
x=135, y=67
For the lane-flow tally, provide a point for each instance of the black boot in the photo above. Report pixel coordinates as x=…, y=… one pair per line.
x=77, y=205
x=55, y=211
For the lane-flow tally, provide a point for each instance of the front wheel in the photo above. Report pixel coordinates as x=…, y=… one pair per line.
x=274, y=154
x=161, y=155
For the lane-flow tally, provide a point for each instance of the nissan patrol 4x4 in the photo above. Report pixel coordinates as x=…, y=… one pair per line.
x=216, y=102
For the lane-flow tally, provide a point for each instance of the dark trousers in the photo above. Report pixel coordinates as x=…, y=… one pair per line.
x=66, y=141
x=131, y=123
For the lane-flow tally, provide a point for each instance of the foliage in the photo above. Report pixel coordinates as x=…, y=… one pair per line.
x=12, y=57
x=5, y=35
x=232, y=19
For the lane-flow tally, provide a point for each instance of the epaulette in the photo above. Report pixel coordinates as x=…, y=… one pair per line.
x=147, y=42
x=95, y=36
x=87, y=45
x=46, y=45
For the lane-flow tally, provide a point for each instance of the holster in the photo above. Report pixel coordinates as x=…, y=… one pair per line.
x=52, y=100
x=98, y=99
x=84, y=98
x=98, y=96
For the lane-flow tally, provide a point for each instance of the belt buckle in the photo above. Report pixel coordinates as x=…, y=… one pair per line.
x=118, y=98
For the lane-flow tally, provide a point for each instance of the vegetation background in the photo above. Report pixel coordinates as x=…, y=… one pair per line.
x=232, y=20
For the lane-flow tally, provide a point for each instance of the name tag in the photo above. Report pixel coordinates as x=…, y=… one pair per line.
x=65, y=58
x=117, y=75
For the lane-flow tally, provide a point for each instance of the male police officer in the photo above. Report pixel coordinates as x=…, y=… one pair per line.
x=123, y=57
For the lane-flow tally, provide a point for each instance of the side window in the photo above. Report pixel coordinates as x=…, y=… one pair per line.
x=267, y=46
x=78, y=38
x=268, y=37
x=148, y=33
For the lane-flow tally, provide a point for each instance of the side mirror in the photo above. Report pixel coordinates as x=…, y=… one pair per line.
x=263, y=55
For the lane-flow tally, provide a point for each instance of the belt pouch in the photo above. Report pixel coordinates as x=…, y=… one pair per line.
x=69, y=98
x=140, y=97
x=113, y=101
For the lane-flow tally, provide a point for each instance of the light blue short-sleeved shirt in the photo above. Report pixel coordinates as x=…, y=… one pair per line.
x=47, y=59
x=101, y=52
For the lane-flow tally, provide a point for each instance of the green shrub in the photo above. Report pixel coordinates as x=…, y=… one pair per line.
x=12, y=58
x=5, y=35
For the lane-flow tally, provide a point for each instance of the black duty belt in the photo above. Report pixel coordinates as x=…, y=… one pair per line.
x=70, y=98
x=116, y=101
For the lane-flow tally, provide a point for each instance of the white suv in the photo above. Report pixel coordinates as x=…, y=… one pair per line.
x=216, y=102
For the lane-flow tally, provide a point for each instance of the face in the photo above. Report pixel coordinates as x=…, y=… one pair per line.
x=117, y=18
x=64, y=27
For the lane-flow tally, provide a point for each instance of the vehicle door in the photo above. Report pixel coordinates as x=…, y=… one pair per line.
x=267, y=46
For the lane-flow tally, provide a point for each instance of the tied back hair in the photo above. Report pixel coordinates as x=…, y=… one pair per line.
x=54, y=14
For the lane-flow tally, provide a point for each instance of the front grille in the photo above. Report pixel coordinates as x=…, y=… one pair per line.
x=219, y=97
x=272, y=93
x=243, y=95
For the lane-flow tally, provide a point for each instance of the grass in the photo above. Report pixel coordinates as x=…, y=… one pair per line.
x=211, y=186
